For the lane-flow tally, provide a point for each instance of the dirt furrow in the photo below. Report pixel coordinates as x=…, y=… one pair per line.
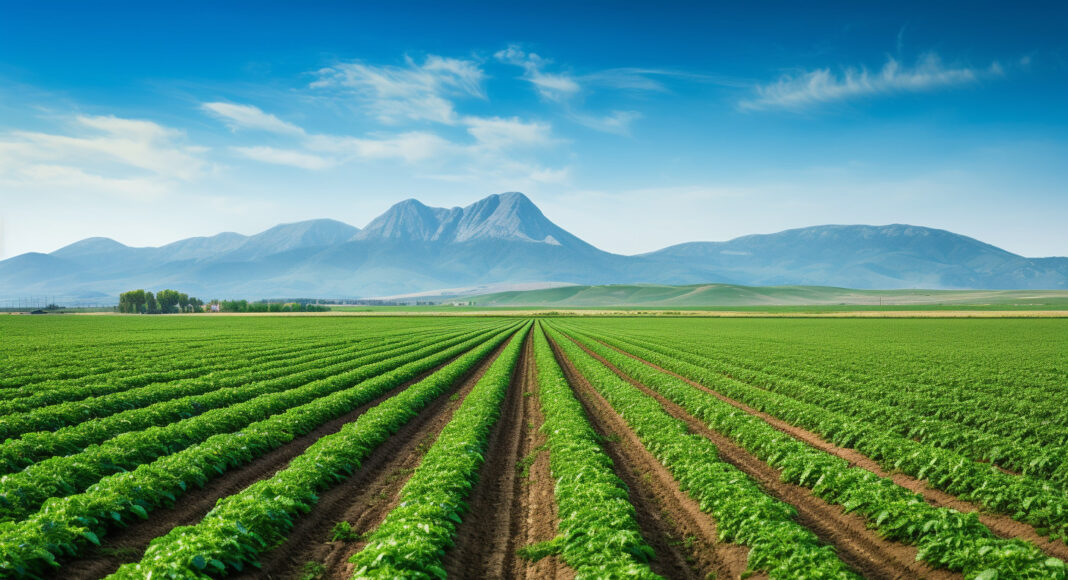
x=683, y=537
x=1002, y=525
x=365, y=498
x=859, y=547
x=128, y=544
x=512, y=504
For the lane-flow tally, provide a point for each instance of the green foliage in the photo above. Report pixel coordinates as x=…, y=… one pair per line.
x=58, y=529
x=945, y=538
x=343, y=532
x=599, y=534
x=243, y=525
x=743, y=513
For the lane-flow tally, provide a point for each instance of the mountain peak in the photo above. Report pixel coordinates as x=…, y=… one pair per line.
x=94, y=245
x=508, y=216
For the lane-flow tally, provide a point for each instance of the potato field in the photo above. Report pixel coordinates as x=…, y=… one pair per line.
x=549, y=447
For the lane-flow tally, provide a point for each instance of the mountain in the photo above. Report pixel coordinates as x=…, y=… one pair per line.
x=857, y=256
x=505, y=238
x=720, y=296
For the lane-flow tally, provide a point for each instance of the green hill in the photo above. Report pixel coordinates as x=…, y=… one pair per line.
x=729, y=295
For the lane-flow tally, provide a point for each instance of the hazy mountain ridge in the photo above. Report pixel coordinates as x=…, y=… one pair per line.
x=506, y=238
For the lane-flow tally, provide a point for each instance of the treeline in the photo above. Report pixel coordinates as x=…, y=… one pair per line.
x=246, y=306
x=174, y=302
x=162, y=302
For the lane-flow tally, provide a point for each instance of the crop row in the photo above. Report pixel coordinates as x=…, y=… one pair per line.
x=1030, y=415
x=744, y=514
x=37, y=446
x=36, y=397
x=1029, y=445
x=64, y=525
x=242, y=526
x=945, y=538
x=23, y=492
x=1024, y=498
x=598, y=531
x=154, y=383
x=411, y=540
x=132, y=368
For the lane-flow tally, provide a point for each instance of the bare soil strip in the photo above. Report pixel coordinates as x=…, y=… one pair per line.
x=683, y=537
x=507, y=508
x=862, y=549
x=1002, y=525
x=128, y=544
x=365, y=498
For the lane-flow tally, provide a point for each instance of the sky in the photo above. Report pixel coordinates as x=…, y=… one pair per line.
x=634, y=126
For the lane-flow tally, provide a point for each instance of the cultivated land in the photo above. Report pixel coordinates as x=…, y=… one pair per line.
x=532, y=447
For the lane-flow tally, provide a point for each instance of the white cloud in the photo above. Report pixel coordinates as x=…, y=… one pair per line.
x=127, y=157
x=249, y=117
x=822, y=86
x=284, y=157
x=553, y=86
x=410, y=92
x=616, y=122
x=410, y=147
x=498, y=133
x=80, y=182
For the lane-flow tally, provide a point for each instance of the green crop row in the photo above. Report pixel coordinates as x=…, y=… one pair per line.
x=1024, y=498
x=945, y=538
x=23, y=492
x=242, y=526
x=411, y=540
x=926, y=387
x=16, y=454
x=41, y=397
x=599, y=534
x=64, y=525
x=744, y=514
x=862, y=402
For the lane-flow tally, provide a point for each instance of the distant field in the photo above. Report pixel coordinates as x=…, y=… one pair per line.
x=328, y=446
x=773, y=298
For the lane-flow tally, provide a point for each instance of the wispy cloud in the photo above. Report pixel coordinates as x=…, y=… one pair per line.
x=498, y=133
x=127, y=157
x=413, y=91
x=616, y=122
x=553, y=86
x=290, y=157
x=251, y=118
x=823, y=86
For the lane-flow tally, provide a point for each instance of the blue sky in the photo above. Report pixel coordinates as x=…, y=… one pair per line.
x=635, y=127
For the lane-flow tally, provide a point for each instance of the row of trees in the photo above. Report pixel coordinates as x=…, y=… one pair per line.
x=173, y=302
x=246, y=306
x=163, y=302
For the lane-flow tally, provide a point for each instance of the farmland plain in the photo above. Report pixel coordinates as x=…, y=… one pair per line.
x=532, y=447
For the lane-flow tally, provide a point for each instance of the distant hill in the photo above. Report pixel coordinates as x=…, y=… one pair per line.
x=506, y=239
x=729, y=295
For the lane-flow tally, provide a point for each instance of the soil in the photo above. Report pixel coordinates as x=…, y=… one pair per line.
x=861, y=548
x=1002, y=525
x=510, y=509
x=683, y=537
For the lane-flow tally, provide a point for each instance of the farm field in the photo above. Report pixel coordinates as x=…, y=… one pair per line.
x=531, y=447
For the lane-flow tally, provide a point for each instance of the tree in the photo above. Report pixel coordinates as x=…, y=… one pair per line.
x=151, y=306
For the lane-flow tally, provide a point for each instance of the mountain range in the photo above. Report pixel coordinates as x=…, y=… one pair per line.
x=505, y=238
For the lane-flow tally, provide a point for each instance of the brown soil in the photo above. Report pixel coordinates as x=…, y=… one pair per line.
x=862, y=549
x=128, y=544
x=1002, y=525
x=507, y=508
x=683, y=537
x=365, y=498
